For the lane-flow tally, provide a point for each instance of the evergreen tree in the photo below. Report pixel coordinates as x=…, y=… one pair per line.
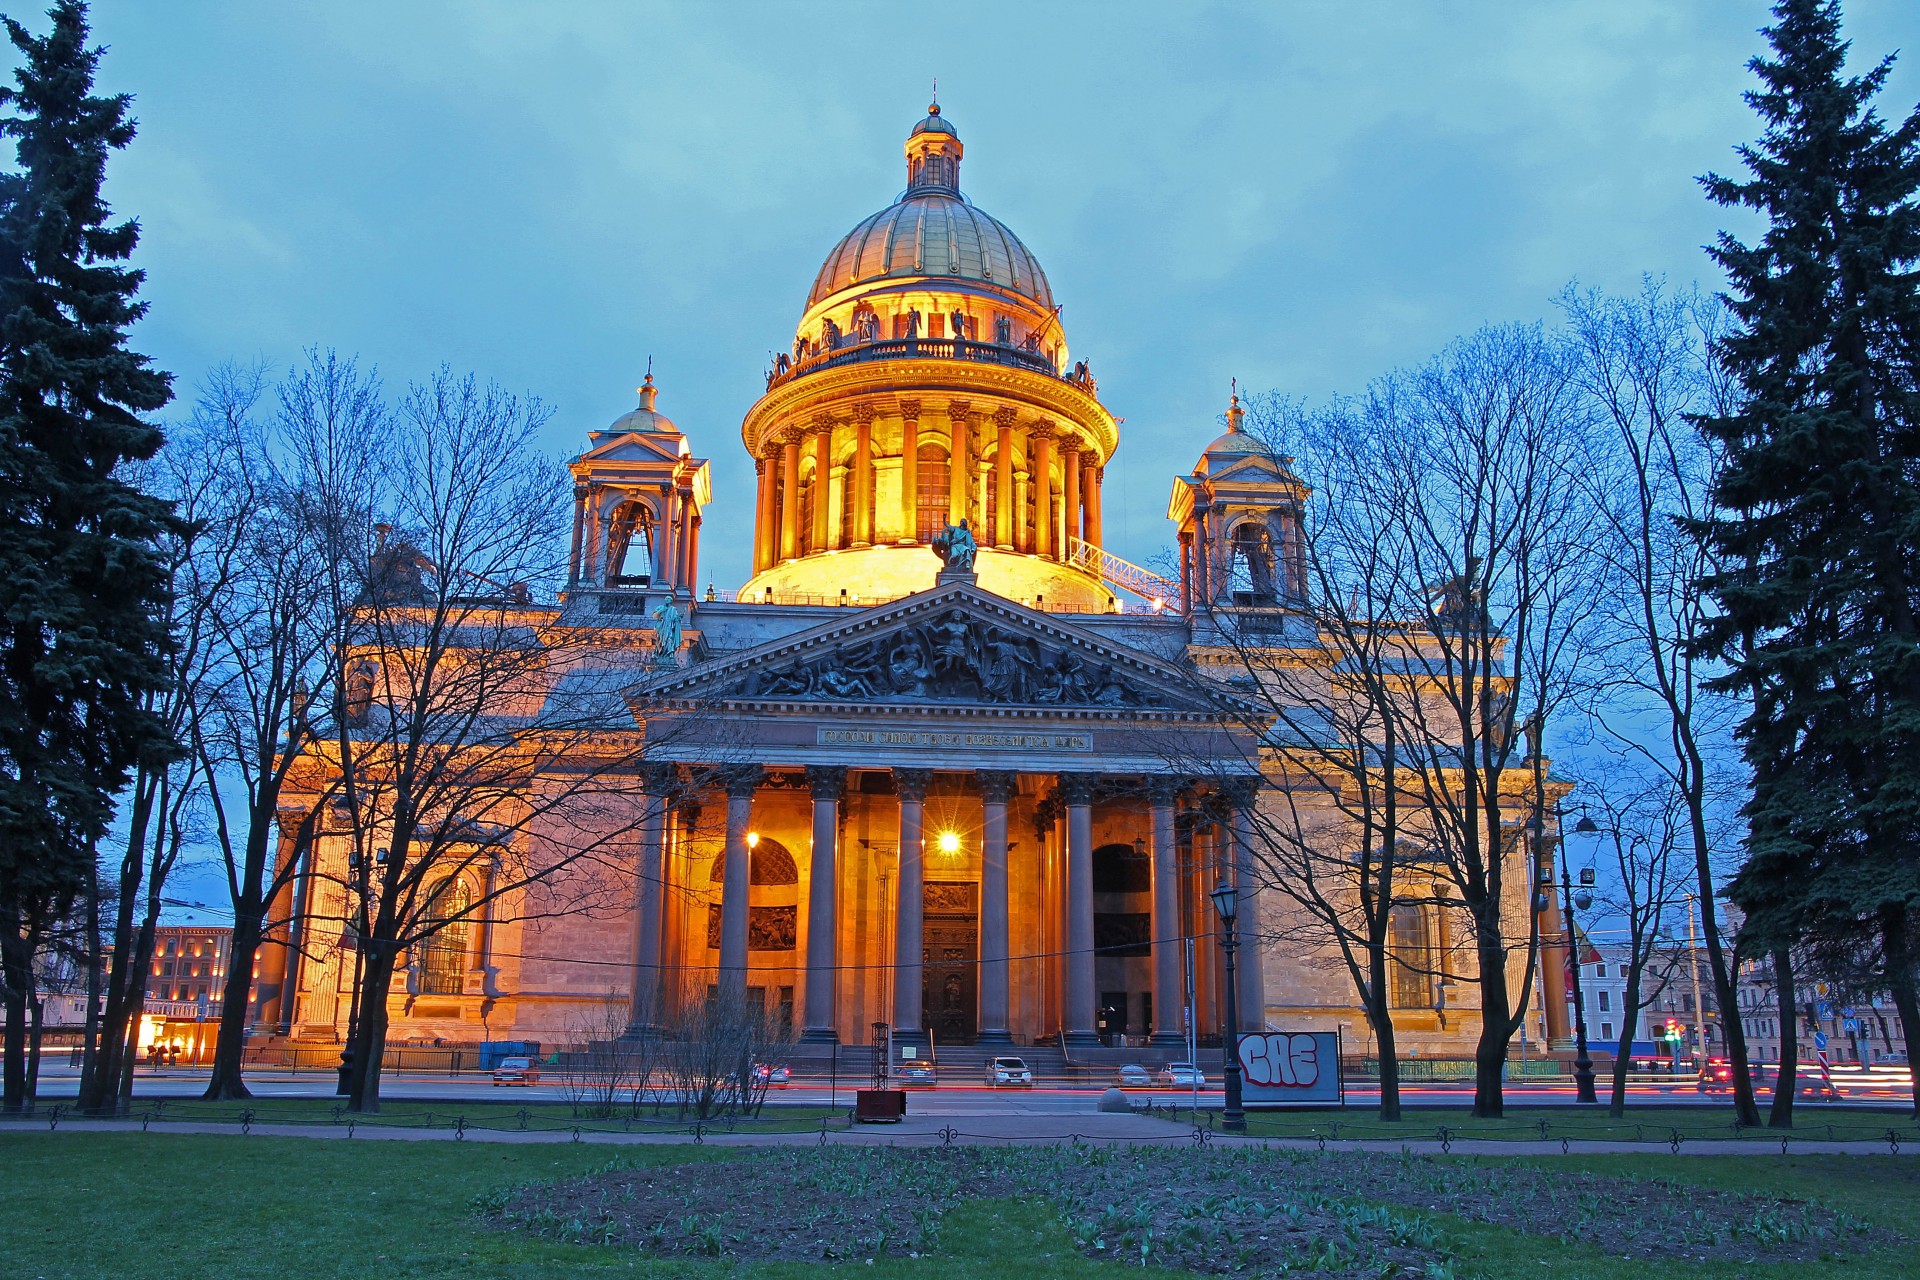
x=81, y=586
x=1822, y=497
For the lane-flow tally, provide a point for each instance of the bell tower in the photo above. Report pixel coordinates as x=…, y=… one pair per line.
x=1239, y=516
x=638, y=494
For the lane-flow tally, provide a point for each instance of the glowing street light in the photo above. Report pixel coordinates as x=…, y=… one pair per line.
x=949, y=842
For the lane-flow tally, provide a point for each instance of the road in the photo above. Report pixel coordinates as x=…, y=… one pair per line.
x=949, y=1099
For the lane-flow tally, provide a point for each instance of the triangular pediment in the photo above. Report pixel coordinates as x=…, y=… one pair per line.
x=634, y=447
x=953, y=645
x=1254, y=469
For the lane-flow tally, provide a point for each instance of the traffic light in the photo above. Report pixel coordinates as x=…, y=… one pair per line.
x=1673, y=1029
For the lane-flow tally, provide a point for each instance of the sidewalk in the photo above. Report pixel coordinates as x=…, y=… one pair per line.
x=1092, y=1128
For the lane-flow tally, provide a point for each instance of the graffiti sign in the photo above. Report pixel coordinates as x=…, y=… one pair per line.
x=1290, y=1067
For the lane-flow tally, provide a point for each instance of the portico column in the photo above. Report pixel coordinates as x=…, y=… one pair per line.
x=1042, y=465
x=1096, y=530
x=741, y=784
x=1186, y=572
x=996, y=788
x=959, y=461
x=822, y=483
x=762, y=513
x=910, y=471
x=789, y=496
x=1003, y=481
x=910, y=906
x=1079, y=1015
x=650, y=877
x=665, y=569
x=862, y=485
x=1070, y=504
x=274, y=995
x=579, y=533
x=1167, y=995
x=1248, y=972
x=822, y=966
x=1202, y=558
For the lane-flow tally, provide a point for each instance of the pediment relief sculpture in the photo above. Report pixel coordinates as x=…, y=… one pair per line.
x=952, y=658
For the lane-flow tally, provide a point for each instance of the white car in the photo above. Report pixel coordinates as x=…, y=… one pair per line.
x=1132, y=1076
x=1008, y=1071
x=1182, y=1075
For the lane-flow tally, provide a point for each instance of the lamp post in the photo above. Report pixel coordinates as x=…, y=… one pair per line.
x=1582, y=1061
x=1226, y=900
x=358, y=869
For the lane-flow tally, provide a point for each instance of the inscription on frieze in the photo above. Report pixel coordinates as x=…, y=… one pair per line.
x=965, y=739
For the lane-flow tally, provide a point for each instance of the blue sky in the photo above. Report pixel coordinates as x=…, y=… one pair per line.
x=1300, y=195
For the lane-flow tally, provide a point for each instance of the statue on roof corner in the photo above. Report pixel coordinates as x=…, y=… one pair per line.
x=956, y=548
x=667, y=620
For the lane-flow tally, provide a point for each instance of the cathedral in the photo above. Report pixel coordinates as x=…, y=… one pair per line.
x=942, y=761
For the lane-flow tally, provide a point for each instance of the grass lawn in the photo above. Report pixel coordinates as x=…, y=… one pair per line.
x=77, y=1204
x=507, y=1113
x=1650, y=1124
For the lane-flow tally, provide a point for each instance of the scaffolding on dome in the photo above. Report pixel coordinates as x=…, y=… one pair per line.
x=1163, y=594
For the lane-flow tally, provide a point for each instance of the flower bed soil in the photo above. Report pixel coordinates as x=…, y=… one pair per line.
x=1341, y=1214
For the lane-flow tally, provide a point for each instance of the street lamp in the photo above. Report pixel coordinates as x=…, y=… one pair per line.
x=1226, y=900
x=1582, y=1061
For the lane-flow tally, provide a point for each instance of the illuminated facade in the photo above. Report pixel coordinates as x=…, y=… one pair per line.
x=989, y=799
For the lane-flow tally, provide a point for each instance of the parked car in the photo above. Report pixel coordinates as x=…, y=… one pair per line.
x=765, y=1073
x=1133, y=1076
x=516, y=1071
x=1008, y=1071
x=1182, y=1075
x=917, y=1072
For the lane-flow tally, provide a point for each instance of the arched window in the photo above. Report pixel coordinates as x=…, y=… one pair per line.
x=931, y=495
x=1410, y=942
x=1252, y=564
x=630, y=544
x=443, y=955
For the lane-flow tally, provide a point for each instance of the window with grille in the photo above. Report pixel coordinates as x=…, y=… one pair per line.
x=1411, y=943
x=443, y=956
x=931, y=493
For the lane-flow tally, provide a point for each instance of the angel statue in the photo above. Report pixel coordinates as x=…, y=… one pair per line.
x=955, y=546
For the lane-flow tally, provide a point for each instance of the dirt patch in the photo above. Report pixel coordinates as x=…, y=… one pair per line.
x=1336, y=1214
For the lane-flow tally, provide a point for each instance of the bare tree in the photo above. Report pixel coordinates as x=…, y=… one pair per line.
x=269, y=639
x=1479, y=454
x=606, y=1064
x=1645, y=366
x=721, y=1038
x=164, y=801
x=1312, y=686
x=480, y=761
x=1644, y=832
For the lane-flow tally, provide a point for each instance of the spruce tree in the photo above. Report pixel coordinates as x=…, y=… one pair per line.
x=81, y=586
x=1821, y=493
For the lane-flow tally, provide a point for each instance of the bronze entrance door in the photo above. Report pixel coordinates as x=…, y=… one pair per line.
x=951, y=977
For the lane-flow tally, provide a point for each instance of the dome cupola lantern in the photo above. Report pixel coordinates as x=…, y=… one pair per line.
x=933, y=155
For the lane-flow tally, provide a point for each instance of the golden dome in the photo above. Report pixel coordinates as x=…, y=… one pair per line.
x=932, y=231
